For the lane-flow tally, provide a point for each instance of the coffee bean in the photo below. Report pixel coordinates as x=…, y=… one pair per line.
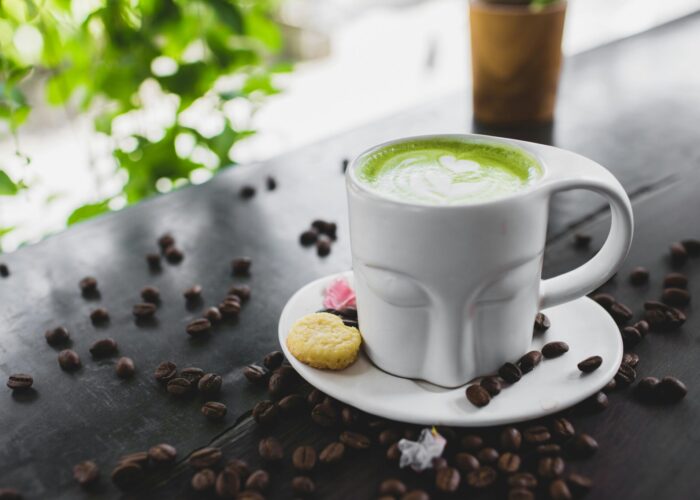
x=595, y=403
x=554, y=349
x=193, y=293
x=86, y=473
x=283, y=381
x=416, y=495
x=582, y=446
x=466, y=462
x=227, y=483
x=179, y=386
x=308, y=238
x=677, y=297
x=103, y=348
x=355, y=440
x=68, y=360
x=562, y=429
x=323, y=247
x=522, y=480
x=537, y=434
x=247, y=192
x=642, y=327
x=240, y=466
x=529, y=361
x=203, y=480
x=241, y=266
x=258, y=480
x=590, y=364
x=678, y=254
x=332, y=453
x=193, y=374
x=389, y=436
x=124, y=367
x=630, y=336
x=127, y=475
x=99, y=316
x=520, y=494
x=241, y=291
x=270, y=449
x=230, y=308
x=645, y=390
x=57, y=336
x=165, y=371
x=88, y=285
x=492, y=385
x=4, y=270
x=250, y=495
x=639, y=276
x=209, y=384
x=303, y=486
x=393, y=453
x=266, y=413
x=620, y=313
x=174, y=255
x=153, y=260
x=510, y=439
x=605, y=300
x=550, y=467
x=273, y=360
x=138, y=457
x=670, y=390
x=675, y=280
x=483, y=477
x=213, y=314
x=447, y=479
x=150, y=294
x=291, y=404
x=631, y=359
x=582, y=240
x=478, y=396
x=20, y=381
x=542, y=323
x=165, y=241
x=510, y=373
x=255, y=374
x=578, y=484
x=558, y=490
x=304, y=458
x=324, y=227
x=625, y=375
x=315, y=397
x=162, y=454
x=692, y=247
x=144, y=310
x=548, y=450
x=204, y=458
x=214, y=410
x=662, y=317
x=471, y=442
x=488, y=455
x=509, y=462
x=199, y=327
x=392, y=487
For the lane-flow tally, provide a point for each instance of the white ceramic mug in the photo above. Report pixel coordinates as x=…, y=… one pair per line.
x=448, y=293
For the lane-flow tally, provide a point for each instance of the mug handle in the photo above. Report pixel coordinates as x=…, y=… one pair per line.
x=572, y=171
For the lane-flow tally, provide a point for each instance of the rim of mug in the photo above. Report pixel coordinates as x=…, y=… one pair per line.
x=353, y=180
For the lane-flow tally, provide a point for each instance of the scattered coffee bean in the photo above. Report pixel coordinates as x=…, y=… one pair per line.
x=582, y=446
x=204, y=458
x=240, y=466
x=103, y=348
x=355, y=440
x=303, y=486
x=466, y=462
x=558, y=490
x=241, y=291
x=483, y=477
x=670, y=390
x=447, y=479
x=165, y=371
x=247, y=192
x=179, y=386
x=511, y=439
x=198, y=327
x=68, y=360
x=88, y=285
x=273, y=360
x=625, y=375
x=325, y=227
x=127, y=475
x=193, y=293
x=595, y=403
x=550, y=467
x=174, y=255
x=590, y=364
x=266, y=413
x=162, y=454
x=510, y=373
x=389, y=436
x=99, y=316
x=471, y=442
x=582, y=240
x=4, y=270
x=209, y=384
x=125, y=367
x=631, y=359
x=270, y=449
x=645, y=390
x=509, y=462
x=662, y=317
x=165, y=241
x=323, y=247
x=537, y=434
x=291, y=404
x=522, y=480
x=255, y=374
x=639, y=276
x=692, y=247
x=249, y=495
x=308, y=237
x=241, y=266
x=230, y=308
x=529, y=361
x=562, y=429
x=57, y=336
x=520, y=494
x=283, y=381
x=393, y=453
x=228, y=483
x=542, y=323
x=193, y=374
x=304, y=458
x=153, y=260
x=315, y=397
x=258, y=480
x=675, y=280
x=332, y=453
x=642, y=327
x=548, y=450
x=630, y=336
x=605, y=300
x=270, y=183
x=677, y=297
x=392, y=487
x=144, y=310
x=20, y=381
x=150, y=294
x=492, y=384
x=86, y=473
x=439, y=463
x=213, y=314
x=214, y=410
x=678, y=254
x=554, y=349
x=488, y=455
x=416, y=495
x=478, y=396
x=620, y=313
x=203, y=480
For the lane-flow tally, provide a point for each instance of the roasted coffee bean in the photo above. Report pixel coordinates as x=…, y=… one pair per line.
x=558, y=490
x=488, y=455
x=645, y=390
x=125, y=367
x=389, y=436
x=291, y=404
x=193, y=374
x=266, y=413
x=492, y=384
x=68, y=360
x=529, y=361
x=249, y=495
x=522, y=480
x=193, y=293
x=447, y=479
x=550, y=467
x=324, y=415
x=230, y=308
x=241, y=266
x=478, y=396
x=150, y=294
x=582, y=240
x=554, y=349
x=179, y=386
x=332, y=453
x=605, y=300
x=138, y=457
x=209, y=384
x=582, y=446
x=349, y=416
x=620, y=313
x=283, y=381
x=247, y=192
x=578, y=484
x=20, y=381
x=471, y=442
x=308, y=238
x=393, y=453
x=630, y=336
x=639, y=276
x=675, y=280
x=548, y=450
x=355, y=440
x=642, y=327
x=255, y=374
x=204, y=458
x=416, y=495
x=199, y=327
x=174, y=255
x=510, y=373
x=153, y=260
x=562, y=429
x=57, y=336
x=103, y=348
x=323, y=247
x=241, y=291
x=483, y=477
x=509, y=462
x=88, y=285
x=625, y=375
x=304, y=458
x=510, y=439
x=99, y=316
x=270, y=449
x=315, y=397
x=590, y=364
x=692, y=247
x=303, y=486
x=213, y=314
x=162, y=454
x=144, y=310
x=86, y=473
x=273, y=360
x=631, y=359
x=4, y=270
x=678, y=254
x=466, y=462
x=127, y=475
x=203, y=480
x=228, y=483
x=670, y=390
x=542, y=323
x=594, y=404
x=270, y=183
x=258, y=480
x=240, y=466
x=662, y=317
x=165, y=372
x=165, y=241
x=438, y=463
x=392, y=487
x=537, y=434
x=520, y=494
x=677, y=297
x=214, y=410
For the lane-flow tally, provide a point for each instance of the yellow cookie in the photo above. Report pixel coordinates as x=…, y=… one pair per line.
x=322, y=340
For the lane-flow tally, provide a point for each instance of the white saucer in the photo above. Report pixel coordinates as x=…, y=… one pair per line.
x=552, y=386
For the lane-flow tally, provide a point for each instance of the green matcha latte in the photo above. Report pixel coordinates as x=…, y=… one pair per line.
x=447, y=171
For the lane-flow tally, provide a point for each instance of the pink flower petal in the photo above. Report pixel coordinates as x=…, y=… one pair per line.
x=339, y=295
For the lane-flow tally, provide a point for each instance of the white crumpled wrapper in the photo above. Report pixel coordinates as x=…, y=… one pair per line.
x=419, y=455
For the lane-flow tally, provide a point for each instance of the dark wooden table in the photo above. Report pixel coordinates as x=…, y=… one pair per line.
x=633, y=105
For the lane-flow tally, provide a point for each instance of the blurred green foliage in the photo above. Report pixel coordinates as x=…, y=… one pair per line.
x=97, y=54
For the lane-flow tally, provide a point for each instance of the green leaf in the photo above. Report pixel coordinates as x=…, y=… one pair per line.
x=88, y=211
x=7, y=186
x=229, y=14
x=18, y=74
x=5, y=230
